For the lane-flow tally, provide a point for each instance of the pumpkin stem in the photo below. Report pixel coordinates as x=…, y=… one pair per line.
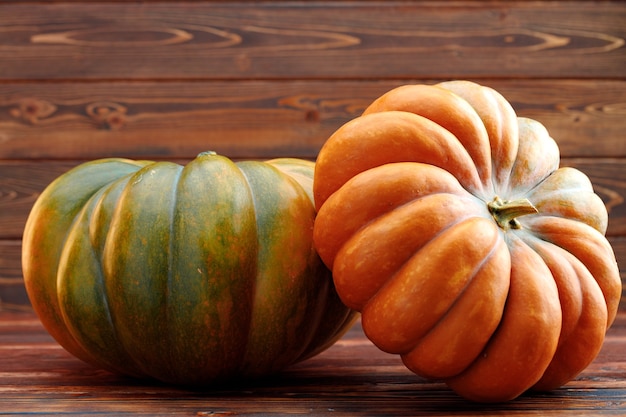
x=505, y=213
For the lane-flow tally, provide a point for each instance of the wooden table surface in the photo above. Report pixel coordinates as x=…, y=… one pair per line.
x=38, y=377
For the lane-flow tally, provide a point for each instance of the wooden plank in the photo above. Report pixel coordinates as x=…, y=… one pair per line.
x=313, y=39
x=264, y=118
x=351, y=378
x=22, y=181
x=13, y=294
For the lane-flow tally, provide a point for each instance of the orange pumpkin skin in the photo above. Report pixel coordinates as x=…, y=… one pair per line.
x=449, y=225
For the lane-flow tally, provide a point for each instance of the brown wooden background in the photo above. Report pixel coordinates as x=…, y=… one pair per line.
x=167, y=80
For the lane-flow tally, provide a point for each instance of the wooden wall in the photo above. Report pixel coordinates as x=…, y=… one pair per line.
x=167, y=80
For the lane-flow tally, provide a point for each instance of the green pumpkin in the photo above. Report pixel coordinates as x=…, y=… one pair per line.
x=186, y=274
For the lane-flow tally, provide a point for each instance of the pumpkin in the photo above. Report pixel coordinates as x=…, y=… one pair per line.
x=186, y=274
x=448, y=223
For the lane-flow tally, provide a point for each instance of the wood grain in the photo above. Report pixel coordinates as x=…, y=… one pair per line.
x=352, y=378
x=264, y=118
x=22, y=181
x=313, y=39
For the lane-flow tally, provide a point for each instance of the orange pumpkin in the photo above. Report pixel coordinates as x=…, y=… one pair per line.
x=449, y=225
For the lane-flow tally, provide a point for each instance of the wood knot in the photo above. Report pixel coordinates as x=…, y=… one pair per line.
x=32, y=110
x=312, y=115
x=107, y=115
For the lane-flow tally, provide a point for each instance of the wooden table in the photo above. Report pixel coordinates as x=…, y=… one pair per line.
x=38, y=377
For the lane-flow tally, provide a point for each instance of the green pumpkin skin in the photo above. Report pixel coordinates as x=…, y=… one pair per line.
x=186, y=274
